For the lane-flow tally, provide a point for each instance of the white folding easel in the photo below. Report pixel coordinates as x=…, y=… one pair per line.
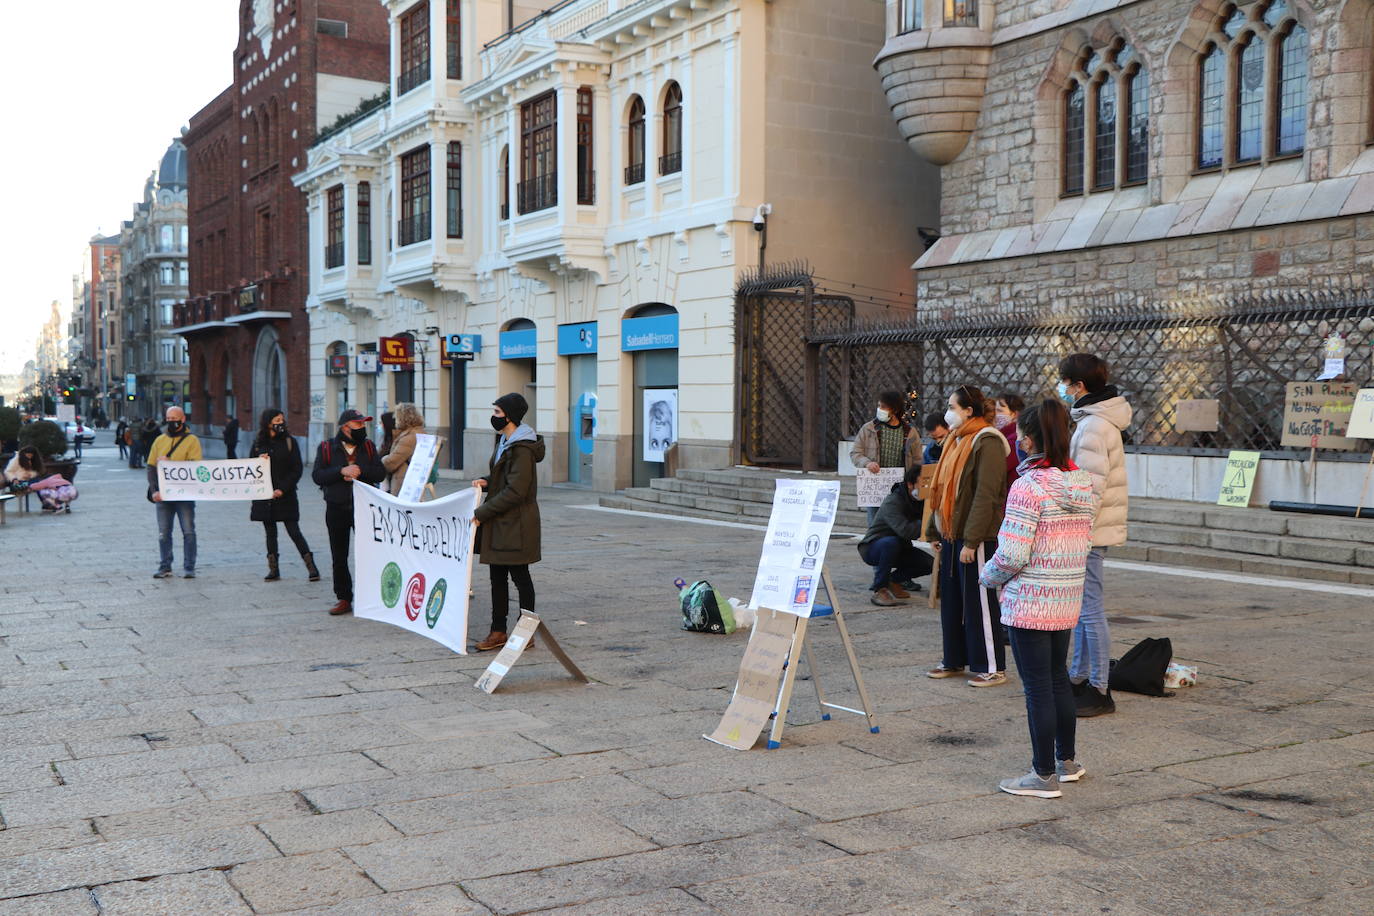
x=789, y=673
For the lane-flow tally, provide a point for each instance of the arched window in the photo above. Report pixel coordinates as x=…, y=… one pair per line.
x=505, y=182
x=671, y=160
x=634, y=167
x=1112, y=149
x=1257, y=110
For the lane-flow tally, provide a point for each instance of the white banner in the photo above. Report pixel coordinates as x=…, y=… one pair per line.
x=236, y=478
x=421, y=463
x=874, y=487
x=794, y=547
x=414, y=562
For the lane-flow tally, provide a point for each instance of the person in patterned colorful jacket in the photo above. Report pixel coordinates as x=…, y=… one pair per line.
x=1040, y=565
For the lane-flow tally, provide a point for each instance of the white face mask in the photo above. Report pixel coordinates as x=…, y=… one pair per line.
x=953, y=419
x=883, y=415
x=1063, y=391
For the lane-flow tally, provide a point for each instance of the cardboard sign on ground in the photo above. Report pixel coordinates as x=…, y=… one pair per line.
x=516, y=644
x=756, y=690
x=1238, y=479
x=1362, y=416
x=872, y=487
x=1197, y=416
x=1317, y=414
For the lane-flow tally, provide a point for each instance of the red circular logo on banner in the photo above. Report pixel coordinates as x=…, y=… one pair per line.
x=415, y=595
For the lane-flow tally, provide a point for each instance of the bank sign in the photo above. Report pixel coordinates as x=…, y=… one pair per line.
x=520, y=344
x=658, y=332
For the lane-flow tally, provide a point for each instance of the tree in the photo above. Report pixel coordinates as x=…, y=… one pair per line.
x=46, y=436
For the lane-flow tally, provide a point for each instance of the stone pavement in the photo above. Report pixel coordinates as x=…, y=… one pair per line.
x=223, y=746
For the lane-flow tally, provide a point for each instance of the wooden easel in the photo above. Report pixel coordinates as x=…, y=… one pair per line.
x=789, y=673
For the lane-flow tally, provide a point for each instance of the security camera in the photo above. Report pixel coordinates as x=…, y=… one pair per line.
x=761, y=214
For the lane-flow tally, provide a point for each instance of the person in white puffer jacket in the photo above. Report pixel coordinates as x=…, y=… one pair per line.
x=1101, y=414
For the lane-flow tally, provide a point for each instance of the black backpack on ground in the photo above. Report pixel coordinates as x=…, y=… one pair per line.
x=1141, y=669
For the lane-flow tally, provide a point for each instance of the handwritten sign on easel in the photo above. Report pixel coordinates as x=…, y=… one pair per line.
x=756, y=690
x=1317, y=415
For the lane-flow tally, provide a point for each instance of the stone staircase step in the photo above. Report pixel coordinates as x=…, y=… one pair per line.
x=1226, y=561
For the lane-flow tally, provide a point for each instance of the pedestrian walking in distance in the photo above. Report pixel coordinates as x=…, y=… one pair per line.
x=1040, y=564
x=409, y=424
x=886, y=441
x=340, y=462
x=231, y=438
x=508, y=519
x=1100, y=414
x=966, y=500
x=176, y=444
x=119, y=438
x=275, y=443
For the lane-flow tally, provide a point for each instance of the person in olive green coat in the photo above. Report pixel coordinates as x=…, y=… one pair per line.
x=508, y=520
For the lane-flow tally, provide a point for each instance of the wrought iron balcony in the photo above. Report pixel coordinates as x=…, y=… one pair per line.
x=538, y=193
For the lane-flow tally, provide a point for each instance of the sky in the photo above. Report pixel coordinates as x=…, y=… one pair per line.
x=97, y=90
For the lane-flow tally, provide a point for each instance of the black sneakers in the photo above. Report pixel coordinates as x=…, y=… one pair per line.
x=1092, y=702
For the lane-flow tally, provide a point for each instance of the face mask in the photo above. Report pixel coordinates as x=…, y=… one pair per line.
x=1063, y=391
x=358, y=436
x=173, y=427
x=883, y=415
x=913, y=491
x=279, y=428
x=953, y=420
x=499, y=423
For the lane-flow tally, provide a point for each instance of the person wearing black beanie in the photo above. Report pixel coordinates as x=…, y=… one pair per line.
x=508, y=530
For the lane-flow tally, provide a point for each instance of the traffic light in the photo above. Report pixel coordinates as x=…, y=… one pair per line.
x=67, y=391
x=128, y=397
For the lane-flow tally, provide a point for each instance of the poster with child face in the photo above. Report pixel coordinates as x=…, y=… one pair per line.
x=660, y=422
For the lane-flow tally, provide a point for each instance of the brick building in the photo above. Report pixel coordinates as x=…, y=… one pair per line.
x=299, y=65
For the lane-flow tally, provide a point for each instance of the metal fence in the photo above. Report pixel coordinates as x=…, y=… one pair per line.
x=1240, y=352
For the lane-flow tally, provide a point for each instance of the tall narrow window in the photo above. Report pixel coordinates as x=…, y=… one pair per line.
x=1104, y=135
x=455, y=190
x=414, y=48
x=671, y=160
x=586, y=164
x=415, y=213
x=1250, y=100
x=1138, y=127
x=505, y=182
x=364, y=222
x=1211, y=95
x=453, y=37
x=961, y=13
x=1073, y=140
x=909, y=16
x=634, y=159
x=334, y=245
x=539, y=153
x=1290, y=114
x=264, y=240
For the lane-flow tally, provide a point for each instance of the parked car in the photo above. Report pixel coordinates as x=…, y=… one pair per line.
x=79, y=430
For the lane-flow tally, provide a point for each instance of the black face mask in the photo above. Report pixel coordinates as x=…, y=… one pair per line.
x=173, y=427
x=279, y=428
x=499, y=423
x=358, y=436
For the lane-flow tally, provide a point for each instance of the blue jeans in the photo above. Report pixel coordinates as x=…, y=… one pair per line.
x=1050, y=708
x=872, y=513
x=1092, y=644
x=893, y=558
x=185, y=512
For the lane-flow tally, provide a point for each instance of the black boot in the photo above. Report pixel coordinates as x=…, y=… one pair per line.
x=273, y=573
x=310, y=566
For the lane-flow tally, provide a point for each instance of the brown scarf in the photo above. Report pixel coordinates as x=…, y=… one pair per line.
x=951, y=467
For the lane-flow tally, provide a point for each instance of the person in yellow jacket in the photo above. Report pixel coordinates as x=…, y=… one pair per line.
x=177, y=443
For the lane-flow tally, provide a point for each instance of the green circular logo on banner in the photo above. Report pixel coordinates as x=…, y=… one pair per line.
x=391, y=584
x=435, y=605
x=203, y=474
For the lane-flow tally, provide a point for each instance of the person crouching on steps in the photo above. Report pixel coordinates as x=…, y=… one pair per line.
x=339, y=462
x=508, y=519
x=966, y=510
x=887, y=545
x=1040, y=565
x=281, y=450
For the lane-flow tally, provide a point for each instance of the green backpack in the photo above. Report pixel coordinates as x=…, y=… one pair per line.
x=705, y=610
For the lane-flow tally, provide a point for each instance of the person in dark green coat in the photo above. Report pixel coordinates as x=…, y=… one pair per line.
x=508, y=519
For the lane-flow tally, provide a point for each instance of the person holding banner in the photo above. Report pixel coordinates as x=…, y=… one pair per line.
x=887, y=545
x=339, y=463
x=886, y=441
x=966, y=503
x=176, y=444
x=282, y=452
x=508, y=532
x=409, y=424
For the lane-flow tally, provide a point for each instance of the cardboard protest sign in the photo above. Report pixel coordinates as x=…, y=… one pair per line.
x=873, y=487
x=1317, y=414
x=794, y=547
x=756, y=690
x=421, y=463
x=520, y=639
x=1197, y=416
x=1238, y=479
x=414, y=562
x=1362, y=415
x=213, y=480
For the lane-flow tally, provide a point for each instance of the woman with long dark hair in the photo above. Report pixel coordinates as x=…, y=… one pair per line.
x=966, y=510
x=280, y=448
x=1040, y=565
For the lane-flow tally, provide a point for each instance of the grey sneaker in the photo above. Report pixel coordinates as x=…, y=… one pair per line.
x=1069, y=771
x=189, y=574
x=1031, y=784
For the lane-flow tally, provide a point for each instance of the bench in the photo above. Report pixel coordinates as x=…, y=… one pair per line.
x=4, y=500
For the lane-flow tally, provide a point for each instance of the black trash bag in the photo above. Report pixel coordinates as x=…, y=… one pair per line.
x=1141, y=669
